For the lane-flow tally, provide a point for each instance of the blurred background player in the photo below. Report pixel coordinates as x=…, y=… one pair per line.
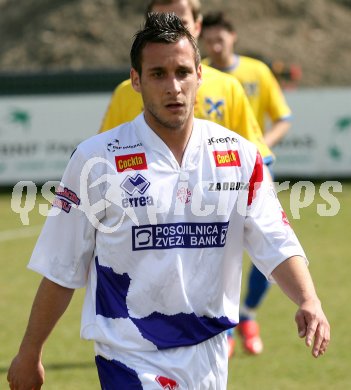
x=267, y=101
x=261, y=87
x=220, y=98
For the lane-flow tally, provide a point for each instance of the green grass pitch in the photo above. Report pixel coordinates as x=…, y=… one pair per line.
x=286, y=363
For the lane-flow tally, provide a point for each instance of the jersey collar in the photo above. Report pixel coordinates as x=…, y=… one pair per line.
x=230, y=68
x=154, y=143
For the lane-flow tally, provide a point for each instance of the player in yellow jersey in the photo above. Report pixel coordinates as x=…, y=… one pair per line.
x=220, y=98
x=261, y=87
x=267, y=100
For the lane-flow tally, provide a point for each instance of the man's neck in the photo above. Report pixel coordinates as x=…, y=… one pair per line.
x=175, y=138
x=225, y=64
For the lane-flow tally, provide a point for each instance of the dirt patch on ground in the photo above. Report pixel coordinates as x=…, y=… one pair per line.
x=96, y=34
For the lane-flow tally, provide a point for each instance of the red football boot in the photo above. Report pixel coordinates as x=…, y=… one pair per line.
x=249, y=331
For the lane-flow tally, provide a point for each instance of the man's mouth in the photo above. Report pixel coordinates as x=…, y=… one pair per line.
x=174, y=105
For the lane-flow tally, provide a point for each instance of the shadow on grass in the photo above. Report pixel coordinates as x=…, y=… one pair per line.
x=61, y=366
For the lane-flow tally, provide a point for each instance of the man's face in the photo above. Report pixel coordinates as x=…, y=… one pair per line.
x=168, y=84
x=218, y=43
x=183, y=10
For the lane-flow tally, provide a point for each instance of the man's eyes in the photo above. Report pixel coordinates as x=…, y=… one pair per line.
x=157, y=74
x=183, y=72
x=180, y=73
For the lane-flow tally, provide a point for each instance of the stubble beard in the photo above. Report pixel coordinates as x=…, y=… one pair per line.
x=173, y=124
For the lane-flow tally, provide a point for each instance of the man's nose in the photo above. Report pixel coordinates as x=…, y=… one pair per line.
x=217, y=48
x=173, y=85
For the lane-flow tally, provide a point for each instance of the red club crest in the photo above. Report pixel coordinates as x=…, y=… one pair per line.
x=166, y=383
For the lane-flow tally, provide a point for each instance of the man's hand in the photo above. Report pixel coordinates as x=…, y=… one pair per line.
x=25, y=374
x=294, y=279
x=313, y=325
x=26, y=371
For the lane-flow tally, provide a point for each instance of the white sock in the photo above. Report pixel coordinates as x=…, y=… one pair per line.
x=247, y=312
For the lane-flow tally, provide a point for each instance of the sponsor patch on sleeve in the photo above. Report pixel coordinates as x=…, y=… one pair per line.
x=135, y=161
x=227, y=158
x=65, y=198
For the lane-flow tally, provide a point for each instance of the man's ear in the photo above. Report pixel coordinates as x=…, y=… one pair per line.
x=199, y=75
x=198, y=27
x=135, y=79
x=234, y=37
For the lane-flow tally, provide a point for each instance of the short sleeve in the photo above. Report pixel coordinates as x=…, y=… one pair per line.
x=66, y=244
x=268, y=237
x=277, y=107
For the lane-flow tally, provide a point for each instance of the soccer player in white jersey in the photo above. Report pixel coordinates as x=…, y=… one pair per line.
x=152, y=218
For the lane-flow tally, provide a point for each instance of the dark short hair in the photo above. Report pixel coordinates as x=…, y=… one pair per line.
x=195, y=6
x=217, y=19
x=160, y=28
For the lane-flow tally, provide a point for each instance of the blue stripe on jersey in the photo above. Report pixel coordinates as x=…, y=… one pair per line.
x=164, y=331
x=111, y=292
x=115, y=375
x=179, y=330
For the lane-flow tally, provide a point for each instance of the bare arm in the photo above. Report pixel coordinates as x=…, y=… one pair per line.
x=295, y=280
x=277, y=132
x=26, y=371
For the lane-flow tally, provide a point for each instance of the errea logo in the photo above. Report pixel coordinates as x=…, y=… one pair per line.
x=135, y=184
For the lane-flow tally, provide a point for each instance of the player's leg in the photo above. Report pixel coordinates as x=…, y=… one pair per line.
x=248, y=327
x=231, y=342
x=257, y=287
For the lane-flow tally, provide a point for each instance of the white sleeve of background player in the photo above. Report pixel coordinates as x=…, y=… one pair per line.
x=269, y=238
x=66, y=244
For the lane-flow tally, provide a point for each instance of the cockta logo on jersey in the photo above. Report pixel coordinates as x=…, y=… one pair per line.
x=167, y=383
x=179, y=235
x=225, y=140
x=227, y=158
x=135, y=161
x=228, y=186
x=65, y=198
x=134, y=186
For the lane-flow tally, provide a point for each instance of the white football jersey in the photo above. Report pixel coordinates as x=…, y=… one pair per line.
x=158, y=245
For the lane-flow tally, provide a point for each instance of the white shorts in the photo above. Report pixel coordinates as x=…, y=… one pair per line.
x=199, y=367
